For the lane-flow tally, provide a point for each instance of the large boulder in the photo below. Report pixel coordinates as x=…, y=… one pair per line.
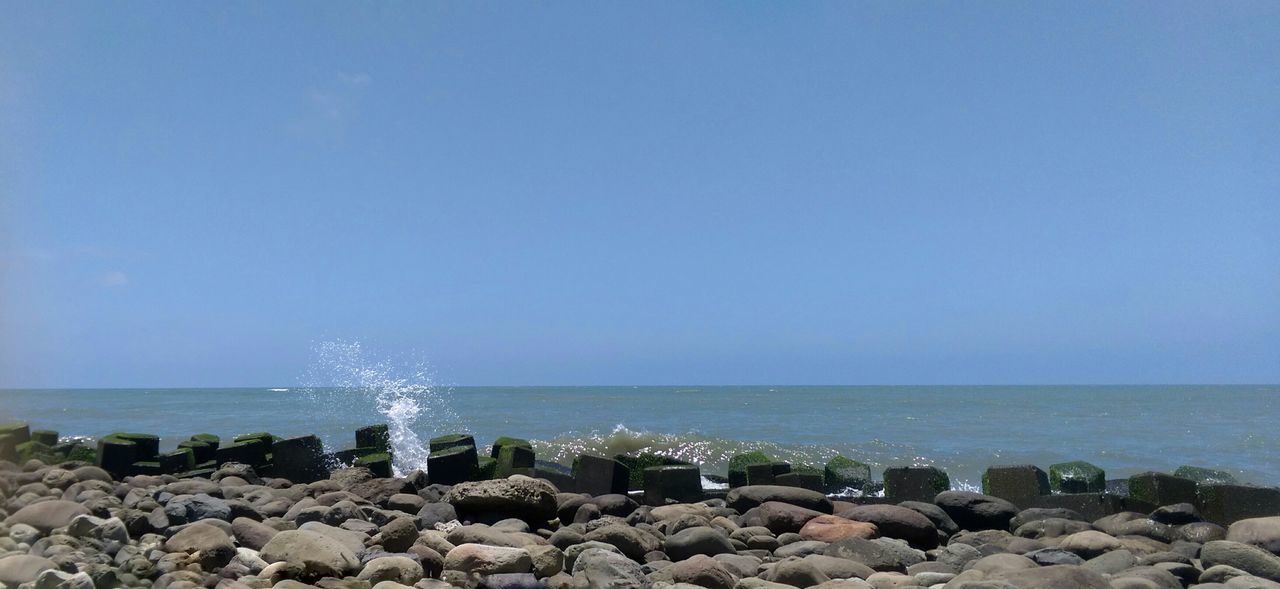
x=23, y=568
x=1246, y=557
x=779, y=517
x=602, y=569
x=213, y=544
x=896, y=522
x=400, y=569
x=47, y=515
x=1263, y=532
x=975, y=511
x=518, y=496
x=832, y=528
x=700, y=570
x=697, y=540
x=633, y=542
x=1089, y=544
x=488, y=560
x=316, y=554
x=745, y=498
x=796, y=572
x=881, y=556
x=1052, y=577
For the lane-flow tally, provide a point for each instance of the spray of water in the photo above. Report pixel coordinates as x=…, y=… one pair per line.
x=344, y=373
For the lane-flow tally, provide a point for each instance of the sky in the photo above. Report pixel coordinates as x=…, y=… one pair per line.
x=585, y=193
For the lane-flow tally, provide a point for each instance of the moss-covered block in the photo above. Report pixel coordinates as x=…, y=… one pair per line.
x=374, y=436
x=640, y=462
x=116, y=455
x=804, y=476
x=1019, y=483
x=514, y=459
x=452, y=465
x=504, y=441
x=76, y=451
x=45, y=436
x=1203, y=475
x=766, y=473
x=439, y=443
x=252, y=451
x=177, y=461
x=33, y=449
x=208, y=439
x=300, y=459
x=738, y=466
x=1158, y=488
x=486, y=468
x=146, y=446
x=20, y=431
x=201, y=450
x=379, y=464
x=600, y=475
x=681, y=483
x=914, y=483
x=1077, y=477
x=844, y=474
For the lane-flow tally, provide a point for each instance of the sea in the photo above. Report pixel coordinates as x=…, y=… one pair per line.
x=961, y=429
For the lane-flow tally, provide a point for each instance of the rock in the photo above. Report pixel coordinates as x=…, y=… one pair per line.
x=213, y=544
x=839, y=568
x=1089, y=544
x=1162, y=579
x=1003, y=562
x=1176, y=514
x=400, y=569
x=1159, y=488
x=1263, y=532
x=779, y=517
x=487, y=560
x=1051, y=528
x=1052, y=556
x=1027, y=516
x=940, y=519
x=399, y=534
x=1052, y=577
x=192, y=508
x=796, y=572
x=436, y=513
x=831, y=528
x=975, y=511
x=601, y=569
x=1200, y=533
x=1246, y=557
x=1077, y=477
x=897, y=522
x=312, y=552
x=1019, y=484
x=746, y=498
x=700, y=570
x=843, y=475
x=47, y=515
x=871, y=553
x=547, y=560
x=800, y=548
x=600, y=475
x=252, y=534
x=354, y=541
x=571, y=553
x=633, y=542
x=517, y=496
x=23, y=568
x=615, y=504
x=700, y=540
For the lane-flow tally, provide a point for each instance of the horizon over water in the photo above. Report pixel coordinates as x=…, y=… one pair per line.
x=962, y=429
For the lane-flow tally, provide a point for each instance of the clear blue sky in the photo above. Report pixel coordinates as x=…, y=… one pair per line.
x=599, y=192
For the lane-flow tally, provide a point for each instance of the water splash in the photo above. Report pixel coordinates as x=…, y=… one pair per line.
x=402, y=392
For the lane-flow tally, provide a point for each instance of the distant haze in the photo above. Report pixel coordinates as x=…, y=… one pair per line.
x=587, y=193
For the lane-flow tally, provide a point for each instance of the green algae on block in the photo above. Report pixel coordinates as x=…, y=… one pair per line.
x=1205, y=475
x=739, y=463
x=1077, y=477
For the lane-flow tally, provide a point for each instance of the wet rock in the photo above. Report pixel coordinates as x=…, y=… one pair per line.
x=700, y=540
x=975, y=511
x=894, y=521
x=314, y=553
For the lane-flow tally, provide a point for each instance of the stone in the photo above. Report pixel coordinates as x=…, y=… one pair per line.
x=16, y=569
x=838, y=568
x=748, y=497
x=517, y=496
x=1089, y=544
x=1161, y=489
x=571, y=552
x=300, y=459
x=547, y=560
x=871, y=553
x=698, y=540
x=1052, y=577
x=487, y=560
x=399, y=569
x=1263, y=532
x=1246, y=557
x=845, y=476
x=599, y=475
x=679, y=483
x=1018, y=484
x=47, y=515
x=894, y=521
x=601, y=569
x=832, y=528
x=1053, y=527
x=436, y=513
x=1200, y=532
x=779, y=517
x=633, y=542
x=252, y=534
x=914, y=483
x=399, y=534
x=699, y=570
x=211, y=542
x=940, y=519
x=1077, y=477
x=975, y=511
x=796, y=572
x=1111, y=562
x=191, y=508
x=314, y=553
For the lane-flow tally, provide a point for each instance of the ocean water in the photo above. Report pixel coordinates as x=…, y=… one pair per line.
x=962, y=429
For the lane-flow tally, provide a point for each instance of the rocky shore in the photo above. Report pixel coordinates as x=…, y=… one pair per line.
x=294, y=522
